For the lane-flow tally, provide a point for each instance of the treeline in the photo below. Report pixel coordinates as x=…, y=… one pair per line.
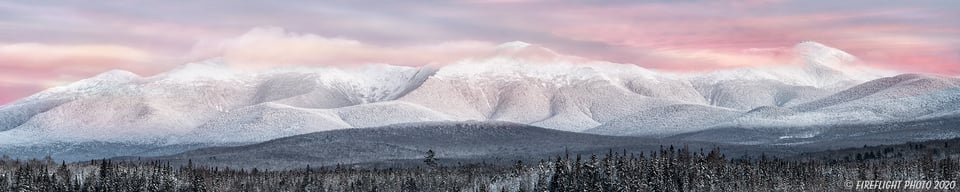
x=934, y=149
x=668, y=169
x=683, y=170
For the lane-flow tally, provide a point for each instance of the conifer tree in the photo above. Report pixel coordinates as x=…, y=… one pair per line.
x=430, y=158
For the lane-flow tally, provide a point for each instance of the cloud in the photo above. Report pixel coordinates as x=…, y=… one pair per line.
x=273, y=47
x=621, y=31
x=45, y=56
x=66, y=41
x=500, y=1
x=31, y=67
x=16, y=91
x=701, y=36
x=711, y=59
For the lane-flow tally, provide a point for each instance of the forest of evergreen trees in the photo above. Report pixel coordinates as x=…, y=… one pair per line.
x=668, y=169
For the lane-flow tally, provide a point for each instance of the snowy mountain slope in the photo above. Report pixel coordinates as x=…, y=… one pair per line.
x=531, y=100
x=388, y=113
x=547, y=90
x=14, y=114
x=883, y=88
x=814, y=65
x=118, y=106
x=665, y=121
x=901, y=98
x=335, y=87
x=211, y=103
x=833, y=136
x=816, y=71
x=262, y=122
x=829, y=67
x=523, y=102
x=747, y=95
x=267, y=121
x=906, y=108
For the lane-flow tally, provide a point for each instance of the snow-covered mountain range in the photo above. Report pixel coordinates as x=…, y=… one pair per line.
x=210, y=103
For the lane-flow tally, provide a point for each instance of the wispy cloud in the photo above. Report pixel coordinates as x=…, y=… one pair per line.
x=45, y=56
x=272, y=47
x=65, y=41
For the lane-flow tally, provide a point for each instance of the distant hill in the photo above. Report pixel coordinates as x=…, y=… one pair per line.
x=818, y=138
x=403, y=144
x=936, y=149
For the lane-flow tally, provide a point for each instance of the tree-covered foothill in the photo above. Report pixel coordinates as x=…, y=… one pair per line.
x=668, y=169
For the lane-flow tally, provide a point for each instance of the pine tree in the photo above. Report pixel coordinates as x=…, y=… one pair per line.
x=107, y=180
x=559, y=181
x=410, y=185
x=42, y=180
x=64, y=177
x=430, y=159
x=197, y=183
x=23, y=181
x=4, y=182
x=519, y=167
x=948, y=169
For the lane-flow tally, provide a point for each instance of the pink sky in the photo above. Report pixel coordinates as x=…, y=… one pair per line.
x=45, y=44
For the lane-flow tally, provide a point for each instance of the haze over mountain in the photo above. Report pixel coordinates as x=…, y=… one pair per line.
x=209, y=104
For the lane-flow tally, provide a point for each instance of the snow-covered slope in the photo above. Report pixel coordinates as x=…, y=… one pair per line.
x=210, y=103
x=747, y=95
x=262, y=122
x=118, y=106
x=665, y=121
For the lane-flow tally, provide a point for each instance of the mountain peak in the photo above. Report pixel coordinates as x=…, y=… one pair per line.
x=513, y=45
x=810, y=44
x=215, y=68
x=520, y=49
x=828, y=66
x=813, y=53
x=116, y=75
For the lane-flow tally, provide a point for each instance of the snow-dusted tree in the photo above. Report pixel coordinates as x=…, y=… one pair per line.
x=430, y=159
x=23, y=180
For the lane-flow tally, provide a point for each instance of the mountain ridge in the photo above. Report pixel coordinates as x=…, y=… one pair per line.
x=210, y=103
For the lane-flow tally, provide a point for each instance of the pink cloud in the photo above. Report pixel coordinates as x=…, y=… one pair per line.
x=15, y=92
x=29, y=67
x=43, y=56
x=64, y=42
x=500, y=1
x=273, y=47
x=684, y=36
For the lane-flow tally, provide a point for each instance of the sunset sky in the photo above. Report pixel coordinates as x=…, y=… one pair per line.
x=50, y=43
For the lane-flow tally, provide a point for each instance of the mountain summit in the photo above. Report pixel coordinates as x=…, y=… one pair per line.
x=827, y=65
